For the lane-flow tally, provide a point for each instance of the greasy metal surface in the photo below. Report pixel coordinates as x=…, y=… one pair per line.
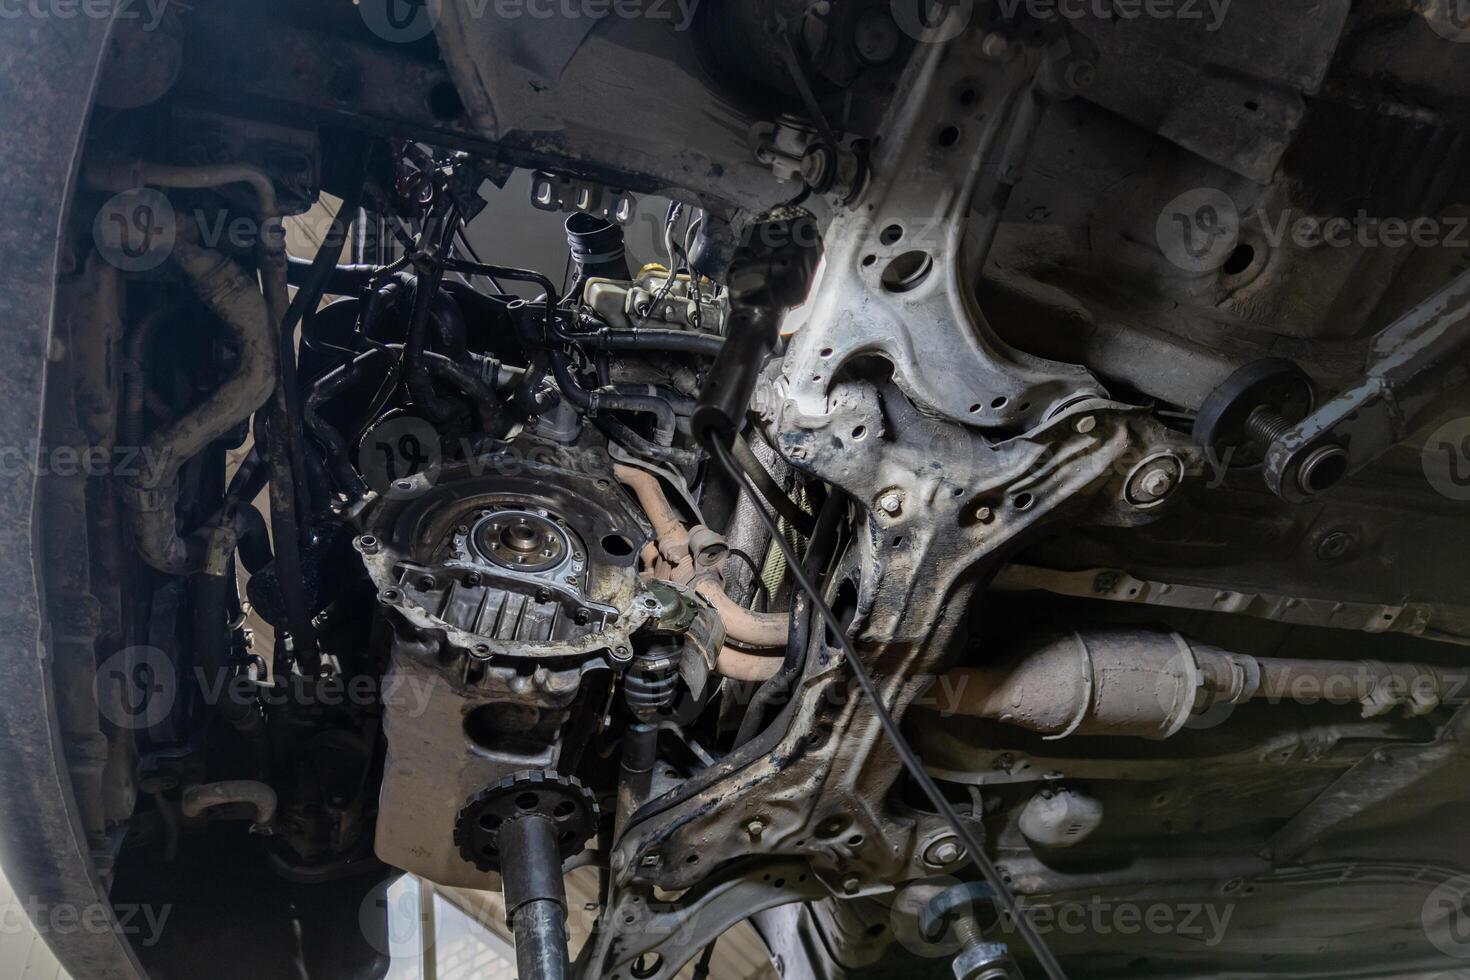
x=487, y=668
x=678, y=929
x=542, y=89
x=1224, y=81
x=943, y=501
x=417, y=551
x=1449, y=624
x=1390, y=772
x=45, y=852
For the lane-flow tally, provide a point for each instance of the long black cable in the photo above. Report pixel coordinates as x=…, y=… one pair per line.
x=910, y=760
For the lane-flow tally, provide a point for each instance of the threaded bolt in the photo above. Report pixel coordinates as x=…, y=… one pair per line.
x=1266, y=426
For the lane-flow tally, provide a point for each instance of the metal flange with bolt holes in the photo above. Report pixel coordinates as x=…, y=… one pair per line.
x=562, y=799
x=525, y=566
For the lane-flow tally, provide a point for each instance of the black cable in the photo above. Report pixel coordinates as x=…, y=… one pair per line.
x=910, y=760
x=755, y=572
x=772, y=492
x=701, y=969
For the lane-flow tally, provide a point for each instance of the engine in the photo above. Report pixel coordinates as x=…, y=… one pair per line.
x=510, y=603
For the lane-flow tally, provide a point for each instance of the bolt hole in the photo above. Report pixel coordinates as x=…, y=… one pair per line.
x=1240, y=259
x=907, y=271
x=617, y=546
x=527, y=801
x=869, y=260
x=948, y=136
x=855, y=840
x=647, y=966
x=1000, y=402
x=1023, y=501
x=444, y=102
x=967, y=97
x=860, y=433
x=827, y=352
x=564, y=809
x=891, y=235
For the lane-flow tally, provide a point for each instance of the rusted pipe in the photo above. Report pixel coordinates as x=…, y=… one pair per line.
x=668, y=531
x=762, y=631
x=1379, y=687
x=743, y=627
x=150, y=499
x=202, y=797
x=741, y=665
x=1149, y=684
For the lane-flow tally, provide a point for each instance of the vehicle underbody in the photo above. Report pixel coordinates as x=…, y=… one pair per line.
x=1095, y=379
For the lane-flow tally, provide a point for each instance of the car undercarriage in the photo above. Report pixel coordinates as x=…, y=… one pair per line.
x=1010, y=531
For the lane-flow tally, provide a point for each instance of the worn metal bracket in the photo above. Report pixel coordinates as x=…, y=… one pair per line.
x=902, y=259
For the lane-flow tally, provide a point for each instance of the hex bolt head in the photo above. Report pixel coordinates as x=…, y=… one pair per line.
x=943, y=852
x=1335, y=546
x=995, y=46
x=1085, y=424
x=1081, y=75
x=1158, y=483
x=851, y=884
x=756, y=827
x=891, y=503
